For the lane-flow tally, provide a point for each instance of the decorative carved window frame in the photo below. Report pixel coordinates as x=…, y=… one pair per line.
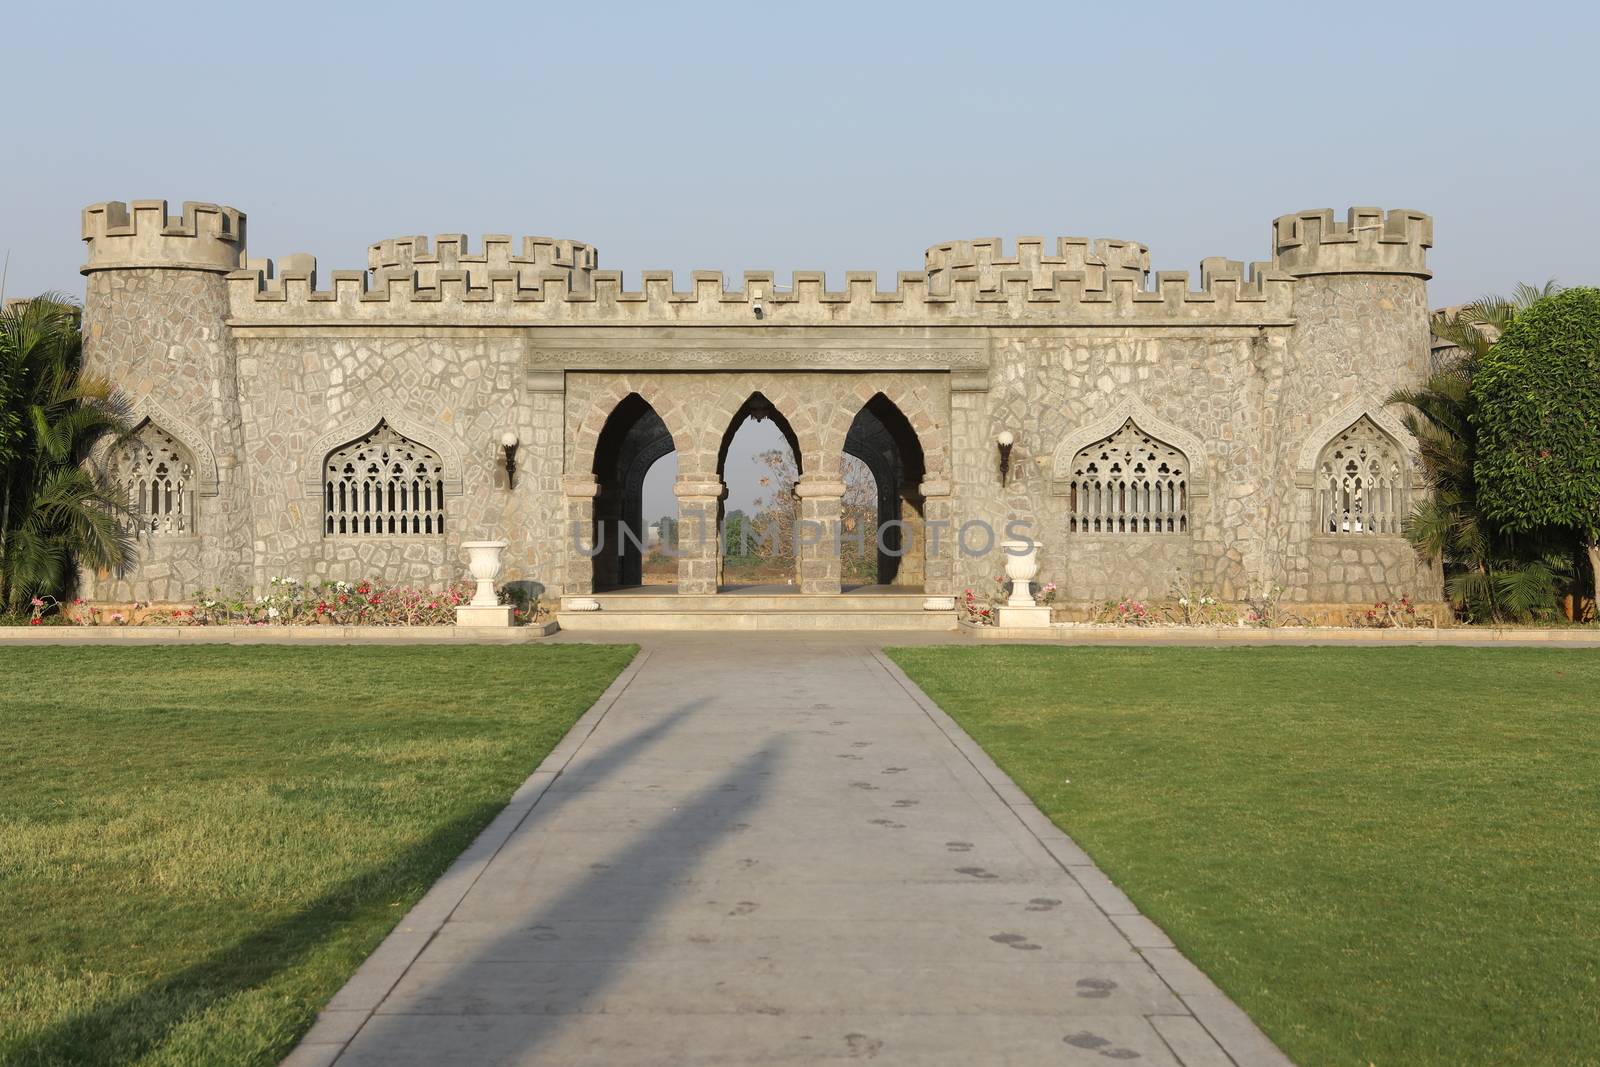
x=1317, y=442
x=1198, y=489
x=355, y=427
x=177, y=503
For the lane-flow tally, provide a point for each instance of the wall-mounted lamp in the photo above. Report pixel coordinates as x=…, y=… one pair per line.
x=1005, y=440
x=508, y=444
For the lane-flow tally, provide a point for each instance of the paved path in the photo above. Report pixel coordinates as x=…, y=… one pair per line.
x=775, y=850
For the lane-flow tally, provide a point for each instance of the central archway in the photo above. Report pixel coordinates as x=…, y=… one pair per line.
x=777, y=524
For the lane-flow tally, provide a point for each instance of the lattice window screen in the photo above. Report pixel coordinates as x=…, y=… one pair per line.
x=1129, y=483
x=158, y=474
x=383, y=485
x=1361, y=483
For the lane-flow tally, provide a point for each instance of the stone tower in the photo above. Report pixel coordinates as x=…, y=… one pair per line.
x=155, y=316
x=1360, y=333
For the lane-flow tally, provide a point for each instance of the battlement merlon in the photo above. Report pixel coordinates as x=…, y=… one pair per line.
x=450, y=252
x=1368, y=241
x=206, y=237
x=1091, y=257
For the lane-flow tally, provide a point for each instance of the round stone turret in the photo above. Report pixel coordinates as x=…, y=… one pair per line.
x=206, y=237
x=1368, y=241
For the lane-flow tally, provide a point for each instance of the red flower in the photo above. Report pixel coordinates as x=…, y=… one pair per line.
x=35, y=621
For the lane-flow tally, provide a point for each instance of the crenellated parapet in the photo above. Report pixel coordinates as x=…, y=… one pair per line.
x=1368, y=241
x=1229, y=295
x=551, y=281
x=1095, y=258
x=535, y=256
x=206, y=237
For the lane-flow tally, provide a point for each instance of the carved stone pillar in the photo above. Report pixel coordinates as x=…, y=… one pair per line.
x=817, y=535
x=579, y=491
x=939, y=545
x=699, y=546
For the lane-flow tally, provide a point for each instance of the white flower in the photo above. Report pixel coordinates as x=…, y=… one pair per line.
x=272, y=613
x=1183, y=601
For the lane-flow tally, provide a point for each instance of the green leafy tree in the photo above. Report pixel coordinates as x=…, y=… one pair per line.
x=739, y=539
x=1537, y=410
x=1489, y=575
x=55, y=512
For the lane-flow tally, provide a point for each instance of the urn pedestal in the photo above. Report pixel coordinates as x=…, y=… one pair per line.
x=1022, y=566
x=485, y=609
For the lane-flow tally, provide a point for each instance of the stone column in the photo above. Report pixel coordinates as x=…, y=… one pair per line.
x=699, y=548
x=939, y=546
x=577, y=536
x=816, y=544
x=608, y=535
x=913, y=539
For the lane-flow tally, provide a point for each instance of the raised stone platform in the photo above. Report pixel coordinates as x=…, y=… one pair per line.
x=633, y=611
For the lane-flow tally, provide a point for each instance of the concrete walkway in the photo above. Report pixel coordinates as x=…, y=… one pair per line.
x=775, y=850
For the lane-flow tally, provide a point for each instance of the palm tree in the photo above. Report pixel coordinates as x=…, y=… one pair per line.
x=1488, y=574
x=55, y=512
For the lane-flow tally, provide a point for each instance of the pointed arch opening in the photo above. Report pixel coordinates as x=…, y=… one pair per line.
x=883, y=470
x=760, y=463
x=633, y=441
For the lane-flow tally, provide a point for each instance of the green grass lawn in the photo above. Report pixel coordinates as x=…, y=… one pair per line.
x=1386, y=856
x=198, y=845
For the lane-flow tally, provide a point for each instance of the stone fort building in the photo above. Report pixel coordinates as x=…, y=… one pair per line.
x=1227, y=432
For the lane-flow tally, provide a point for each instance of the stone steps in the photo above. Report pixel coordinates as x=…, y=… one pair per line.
x=642, y=611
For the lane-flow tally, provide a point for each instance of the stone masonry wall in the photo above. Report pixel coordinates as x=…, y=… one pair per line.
x=159, y=336
x=1046, y=386
x=1357, y=338
x=305, y=395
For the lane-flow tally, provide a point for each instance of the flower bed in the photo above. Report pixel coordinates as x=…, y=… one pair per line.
x=985, y=610
x=289, y=602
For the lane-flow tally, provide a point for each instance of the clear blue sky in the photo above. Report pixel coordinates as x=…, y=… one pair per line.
x=811, y=136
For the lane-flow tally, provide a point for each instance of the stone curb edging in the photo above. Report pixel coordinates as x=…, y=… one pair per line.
x=1218, y=1025
x=349, y=1009
x=1289, y=635
x=274, y=635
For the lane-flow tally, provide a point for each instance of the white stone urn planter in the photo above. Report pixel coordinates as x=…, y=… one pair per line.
x=1022, y=566
x=485, y=609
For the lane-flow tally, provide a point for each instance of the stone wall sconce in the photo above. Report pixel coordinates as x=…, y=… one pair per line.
x=508, y=445
x=1005, y=439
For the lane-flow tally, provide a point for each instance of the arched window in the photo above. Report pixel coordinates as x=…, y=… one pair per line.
x=158, y=475
x=1129, y=483
x=1361, y=483
x=381, y=485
